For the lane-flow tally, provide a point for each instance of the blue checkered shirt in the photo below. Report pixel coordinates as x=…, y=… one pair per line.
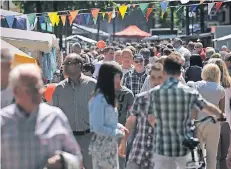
x=171, y=103
x=134, y=81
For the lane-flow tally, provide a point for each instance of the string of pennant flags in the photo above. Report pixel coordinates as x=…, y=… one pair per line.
x=55, y=17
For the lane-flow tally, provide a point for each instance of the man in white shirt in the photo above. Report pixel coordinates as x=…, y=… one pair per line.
x=108, y=53
x=127, y=57
x=6, y=92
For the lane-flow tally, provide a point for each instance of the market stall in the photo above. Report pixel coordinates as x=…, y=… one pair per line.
x=33, y=41
x=19, y=56
x=42, y=46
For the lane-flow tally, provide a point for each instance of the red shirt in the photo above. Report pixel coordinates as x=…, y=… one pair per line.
x=203, y=55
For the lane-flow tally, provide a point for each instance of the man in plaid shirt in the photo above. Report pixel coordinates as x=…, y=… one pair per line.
x=141, y=154
x=135, y=78
x=171, y=105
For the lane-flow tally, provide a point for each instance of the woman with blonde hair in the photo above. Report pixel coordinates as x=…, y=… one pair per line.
x=225, y=126
x=209, y=133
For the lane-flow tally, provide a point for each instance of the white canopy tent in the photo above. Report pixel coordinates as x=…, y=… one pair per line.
x=227, y=37
x=33, y=41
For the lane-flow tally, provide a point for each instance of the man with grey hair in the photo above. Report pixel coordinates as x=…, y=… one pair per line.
x=76, y=48
x=209, y=52
x=34, y=134
x=6, y=92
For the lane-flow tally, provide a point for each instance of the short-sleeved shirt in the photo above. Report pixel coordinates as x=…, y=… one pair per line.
x=171, y=103
x=125, y=100
x=210, y=91
x=73, y=100
x=142, y=148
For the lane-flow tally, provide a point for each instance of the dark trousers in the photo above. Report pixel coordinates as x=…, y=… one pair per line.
x=223, y=146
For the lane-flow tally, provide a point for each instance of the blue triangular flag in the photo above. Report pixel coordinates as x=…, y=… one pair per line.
x=164, y=6
x=193, y=7
x=87, y=18
x=10, y=20
x=41, y=19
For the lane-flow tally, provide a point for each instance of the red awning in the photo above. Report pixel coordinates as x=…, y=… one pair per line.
x=132, y=31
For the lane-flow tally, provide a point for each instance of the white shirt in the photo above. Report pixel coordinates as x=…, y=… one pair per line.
x=6, y=97
x=97, y=67
x=228, y=105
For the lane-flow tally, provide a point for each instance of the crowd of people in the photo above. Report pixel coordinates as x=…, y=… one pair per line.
x=126, y=106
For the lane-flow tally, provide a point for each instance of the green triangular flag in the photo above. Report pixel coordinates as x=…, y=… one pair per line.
x=143, y=7
x=95, y=20
x=31, y=18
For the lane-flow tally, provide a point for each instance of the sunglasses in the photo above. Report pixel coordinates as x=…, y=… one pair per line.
x=139, y=61
x=71, y=63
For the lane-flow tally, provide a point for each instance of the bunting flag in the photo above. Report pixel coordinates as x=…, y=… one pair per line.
x=63, y=18
x=210, y=6
x=164, y=6
x=10, y=20
x=202, y=1
x=143, y=7
x=95, y=13
x=87, y=17
x=79, y=19
x=54, y=18
x=218, y=5
x=149, y=11
x=31, y=18
x=123, y=9
x=109, y=16
x=72, y=16
x=103, y=14
x=113, y=13
x=193, y=7
x=41, y=19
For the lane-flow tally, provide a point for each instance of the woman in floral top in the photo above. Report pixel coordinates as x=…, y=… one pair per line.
x=104, y=120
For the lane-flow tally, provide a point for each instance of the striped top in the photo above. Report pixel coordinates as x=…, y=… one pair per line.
x=73, y=100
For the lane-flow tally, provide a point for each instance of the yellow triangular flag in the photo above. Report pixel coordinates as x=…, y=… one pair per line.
x=57, y=20
x=123, y=9
x=103, y=14
x=53, y=17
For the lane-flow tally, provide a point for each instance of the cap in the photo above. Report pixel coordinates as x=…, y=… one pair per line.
x=138, y=56
x=224, y=47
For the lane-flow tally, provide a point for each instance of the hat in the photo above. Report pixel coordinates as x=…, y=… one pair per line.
x=138, y=56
